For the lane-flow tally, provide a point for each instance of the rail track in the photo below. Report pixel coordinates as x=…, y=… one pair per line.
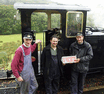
x=94, y=84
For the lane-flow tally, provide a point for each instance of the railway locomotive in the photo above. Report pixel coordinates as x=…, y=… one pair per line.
x=72, y=20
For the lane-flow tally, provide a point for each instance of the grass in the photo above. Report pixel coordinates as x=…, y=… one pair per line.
x=10, y=38
x=16, y=37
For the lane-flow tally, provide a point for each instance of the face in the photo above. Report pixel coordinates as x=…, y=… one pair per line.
x=54, y=42
x=79, y=39
x=27, y=42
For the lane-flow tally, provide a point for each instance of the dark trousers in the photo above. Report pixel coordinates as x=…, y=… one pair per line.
x=77, y=82
x=52, y=84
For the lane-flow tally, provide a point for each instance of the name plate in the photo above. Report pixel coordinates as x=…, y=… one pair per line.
x=68, y=59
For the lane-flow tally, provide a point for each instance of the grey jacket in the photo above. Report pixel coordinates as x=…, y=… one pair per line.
x=84, y=52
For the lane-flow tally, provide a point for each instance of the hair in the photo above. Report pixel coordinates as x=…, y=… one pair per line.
x=53, y=36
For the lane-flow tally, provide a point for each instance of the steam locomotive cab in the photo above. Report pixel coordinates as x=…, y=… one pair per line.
x=72, y=20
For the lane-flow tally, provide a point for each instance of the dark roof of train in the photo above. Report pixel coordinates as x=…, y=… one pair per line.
x=52, y=6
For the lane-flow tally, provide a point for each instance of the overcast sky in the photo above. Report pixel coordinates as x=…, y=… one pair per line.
x=96, y=6
x=90, y=3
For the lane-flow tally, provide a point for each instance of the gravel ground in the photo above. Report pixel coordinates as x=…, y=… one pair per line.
x=9, y=86
x=93, y=80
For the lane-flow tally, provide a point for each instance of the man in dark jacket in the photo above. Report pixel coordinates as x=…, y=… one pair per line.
x=52, y=65
x=84, y=54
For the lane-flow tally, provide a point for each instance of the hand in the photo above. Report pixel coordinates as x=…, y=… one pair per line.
x=38, y=41
x=20, y=79
x=77, y=60
x=63, y=64
x=70, y=63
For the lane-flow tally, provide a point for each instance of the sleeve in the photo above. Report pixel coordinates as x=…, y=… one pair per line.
x=14, y=64
x=33, y=47
x=89, y=55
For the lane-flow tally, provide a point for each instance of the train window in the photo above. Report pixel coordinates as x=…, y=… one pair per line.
x=39, y=21
x=74, y=23
x=55, y=20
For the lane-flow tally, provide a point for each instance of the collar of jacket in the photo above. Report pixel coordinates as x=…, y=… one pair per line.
x=76, y=44
x=49, y=46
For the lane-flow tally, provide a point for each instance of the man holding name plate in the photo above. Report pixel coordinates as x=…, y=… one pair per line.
x=83, y=52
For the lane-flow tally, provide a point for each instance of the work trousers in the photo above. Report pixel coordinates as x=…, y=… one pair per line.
x=52, y=85
x=77, y=82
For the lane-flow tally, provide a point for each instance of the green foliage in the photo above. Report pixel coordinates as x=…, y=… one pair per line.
x=8, y=25
x=6, y=51
x=39, y=22
x=55, y=20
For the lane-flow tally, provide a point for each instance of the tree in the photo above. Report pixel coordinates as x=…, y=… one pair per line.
x=39, y=22
x=7, y=21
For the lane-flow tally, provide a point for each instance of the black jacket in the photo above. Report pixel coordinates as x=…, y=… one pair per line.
x=46, y=59
x=84, y=52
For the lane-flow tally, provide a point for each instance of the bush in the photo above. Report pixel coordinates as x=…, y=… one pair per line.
x=6, y=52
x=9, y=25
